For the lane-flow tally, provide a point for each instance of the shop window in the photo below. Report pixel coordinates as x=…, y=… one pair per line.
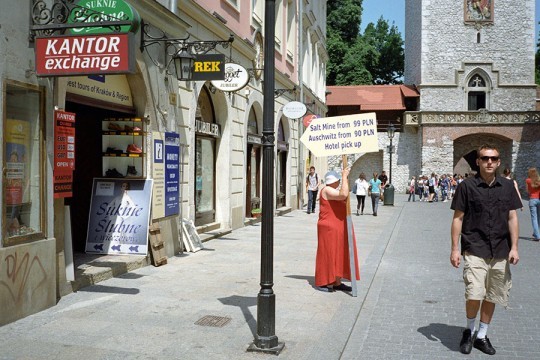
x=205, y=159
x=23, y=178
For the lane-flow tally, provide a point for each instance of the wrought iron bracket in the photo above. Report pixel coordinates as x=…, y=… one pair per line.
x=51, y=19
x=279, y=92
x=195, y=47
x=151, y=35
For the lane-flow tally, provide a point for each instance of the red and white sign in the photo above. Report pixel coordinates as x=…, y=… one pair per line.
x=64, y=153
x=83, y=55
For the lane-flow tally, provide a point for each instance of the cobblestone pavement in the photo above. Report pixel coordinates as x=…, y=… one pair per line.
x=410, y=301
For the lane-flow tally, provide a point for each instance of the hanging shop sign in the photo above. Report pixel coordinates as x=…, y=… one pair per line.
x=103, y=10
x=236, y=78
x=113, y=89
x=211, y=129
x=64, y=153
x=294, y=110
x=209, y=67
x=308, y=119
x=119, y=217
x=83, y=55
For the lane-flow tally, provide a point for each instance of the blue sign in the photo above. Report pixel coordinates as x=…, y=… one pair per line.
x=119, y=217
x=172, y=173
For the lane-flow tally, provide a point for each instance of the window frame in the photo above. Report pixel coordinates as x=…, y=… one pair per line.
x=41, y=234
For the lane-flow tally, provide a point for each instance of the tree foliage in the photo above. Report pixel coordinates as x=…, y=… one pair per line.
x=387, y=67
x=375, y=57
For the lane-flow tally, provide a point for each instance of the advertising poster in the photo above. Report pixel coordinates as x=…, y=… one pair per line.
x=64, y=153
x=158, y=173
x=17, y=144
x=172, y=173
x=119, y=217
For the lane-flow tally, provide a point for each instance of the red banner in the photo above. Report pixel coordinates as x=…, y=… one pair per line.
x=84, y=55
x=64, y=153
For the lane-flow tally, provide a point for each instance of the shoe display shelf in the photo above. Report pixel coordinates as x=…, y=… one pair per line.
x=123, y=141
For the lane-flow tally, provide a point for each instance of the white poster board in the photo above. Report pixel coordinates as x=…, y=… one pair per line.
x=119, y=217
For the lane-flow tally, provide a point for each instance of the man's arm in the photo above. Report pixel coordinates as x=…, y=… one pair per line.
x=455, y=232
x=513, y=226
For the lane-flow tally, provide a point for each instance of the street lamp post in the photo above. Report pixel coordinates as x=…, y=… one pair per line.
x=266, y=339
x=391, y=131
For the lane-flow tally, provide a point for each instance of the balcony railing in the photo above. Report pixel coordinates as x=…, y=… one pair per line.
x=481, y=117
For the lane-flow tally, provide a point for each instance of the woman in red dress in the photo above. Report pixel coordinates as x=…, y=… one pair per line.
x=332, y=263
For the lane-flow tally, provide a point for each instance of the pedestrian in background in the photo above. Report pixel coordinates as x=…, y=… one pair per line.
x=362, y=187
x=332, y=263
x=508, y=174
x=312, y=187
x=489, y=233
x=384, y=179
x=533, y=189
x=412, y=189
x=375, y=192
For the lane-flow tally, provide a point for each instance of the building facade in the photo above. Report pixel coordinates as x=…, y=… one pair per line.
x=120, y=119
x=473, y=68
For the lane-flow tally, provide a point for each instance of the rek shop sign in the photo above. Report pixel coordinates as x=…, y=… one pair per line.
x=209, y=67
x=85, y=55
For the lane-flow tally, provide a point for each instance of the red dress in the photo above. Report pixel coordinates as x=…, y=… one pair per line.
x=333, y=247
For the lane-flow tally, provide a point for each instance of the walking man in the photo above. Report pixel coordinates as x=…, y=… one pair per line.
x=485, y=216
x=312, y=187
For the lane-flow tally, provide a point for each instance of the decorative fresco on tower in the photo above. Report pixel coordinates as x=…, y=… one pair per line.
x=478, y=10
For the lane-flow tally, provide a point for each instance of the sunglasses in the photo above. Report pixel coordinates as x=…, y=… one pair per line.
x=486, y=158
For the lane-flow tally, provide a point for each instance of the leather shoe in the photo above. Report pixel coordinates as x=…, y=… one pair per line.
x=484, y=345
x=466, y=344
x=342, y=287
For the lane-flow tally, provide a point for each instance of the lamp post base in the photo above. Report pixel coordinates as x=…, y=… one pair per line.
x=258, y=345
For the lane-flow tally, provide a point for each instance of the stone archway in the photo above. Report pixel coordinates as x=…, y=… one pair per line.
x=465, y=148
x=367, y=164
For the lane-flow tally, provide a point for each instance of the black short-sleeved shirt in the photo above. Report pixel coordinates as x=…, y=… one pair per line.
x=485, y=232
x=383, y=178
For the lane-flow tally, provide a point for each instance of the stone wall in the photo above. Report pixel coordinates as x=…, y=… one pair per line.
x=448, y=51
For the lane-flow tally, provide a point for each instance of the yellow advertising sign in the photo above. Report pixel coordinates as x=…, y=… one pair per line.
x=340, y=135
x=110, y=88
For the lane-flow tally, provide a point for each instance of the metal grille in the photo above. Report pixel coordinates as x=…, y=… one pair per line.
x=213, y=321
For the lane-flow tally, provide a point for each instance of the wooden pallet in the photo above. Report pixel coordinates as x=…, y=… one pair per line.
x=159, y=257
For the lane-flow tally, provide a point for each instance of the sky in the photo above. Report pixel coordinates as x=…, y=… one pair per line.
x=394, y=10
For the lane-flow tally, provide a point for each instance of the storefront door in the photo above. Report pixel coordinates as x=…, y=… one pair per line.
x=205, y=150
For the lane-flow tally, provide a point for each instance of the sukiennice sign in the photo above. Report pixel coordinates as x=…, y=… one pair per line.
x=83, y=55
x=117, y=9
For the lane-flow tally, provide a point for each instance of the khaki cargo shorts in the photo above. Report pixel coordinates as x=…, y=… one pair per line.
x=487, y=279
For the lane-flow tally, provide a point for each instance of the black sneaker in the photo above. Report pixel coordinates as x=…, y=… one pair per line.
x=113, y=173
x=466, y=344
x=484, y=345
x=131, y=171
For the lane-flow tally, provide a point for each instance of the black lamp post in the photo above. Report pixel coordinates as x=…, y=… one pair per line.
x=266, y=339
x=391, y=131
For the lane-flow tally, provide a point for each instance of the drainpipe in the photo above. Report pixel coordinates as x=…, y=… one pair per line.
x=173, y=5
x=301, y=85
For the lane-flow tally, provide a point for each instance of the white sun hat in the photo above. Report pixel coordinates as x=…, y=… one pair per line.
x=331, y=177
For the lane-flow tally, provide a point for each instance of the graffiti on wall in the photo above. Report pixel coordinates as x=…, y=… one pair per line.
x=15, y=274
